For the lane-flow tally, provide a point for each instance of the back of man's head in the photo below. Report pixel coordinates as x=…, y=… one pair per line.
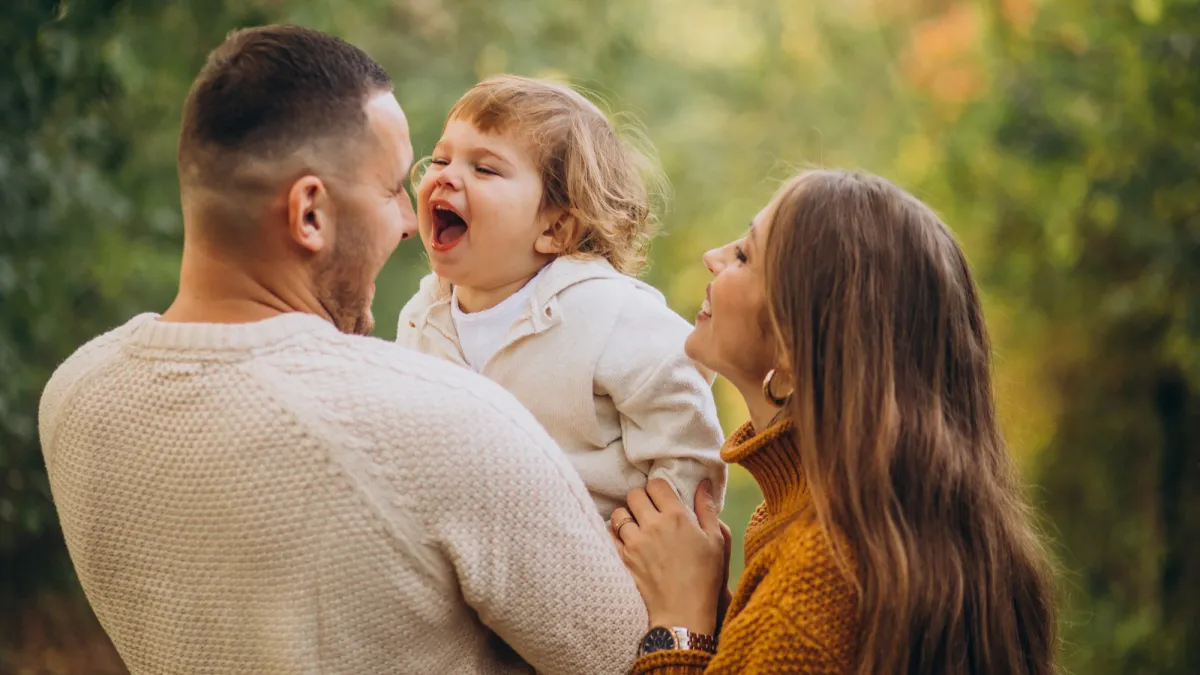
x=266, y=94
x=292, y=162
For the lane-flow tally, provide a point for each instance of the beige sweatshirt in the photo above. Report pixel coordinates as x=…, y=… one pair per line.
x=278, y=497
x=597, y=356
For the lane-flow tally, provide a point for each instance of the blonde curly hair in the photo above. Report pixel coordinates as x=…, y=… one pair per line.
x=589, y=168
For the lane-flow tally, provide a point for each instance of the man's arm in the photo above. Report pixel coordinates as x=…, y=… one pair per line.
x=532, y=555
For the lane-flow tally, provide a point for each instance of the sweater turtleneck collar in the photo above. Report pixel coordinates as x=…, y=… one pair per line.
x=773, y=460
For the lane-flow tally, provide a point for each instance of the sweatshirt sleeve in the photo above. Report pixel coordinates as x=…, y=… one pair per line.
x=669, y=420
x=532, y=556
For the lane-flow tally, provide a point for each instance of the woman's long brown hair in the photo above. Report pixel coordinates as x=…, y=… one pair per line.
x=878, y=314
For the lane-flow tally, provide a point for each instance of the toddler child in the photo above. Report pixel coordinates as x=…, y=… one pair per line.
x=535, y=214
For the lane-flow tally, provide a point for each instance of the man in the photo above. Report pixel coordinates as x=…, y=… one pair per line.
x=248, y=485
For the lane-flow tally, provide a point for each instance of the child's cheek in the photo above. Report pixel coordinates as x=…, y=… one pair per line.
x=424, y=189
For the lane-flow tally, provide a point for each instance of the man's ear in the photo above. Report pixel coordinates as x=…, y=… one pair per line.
x=558, y=237
x=308, y=214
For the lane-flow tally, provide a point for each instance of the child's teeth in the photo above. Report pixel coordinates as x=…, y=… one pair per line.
x=704, y=307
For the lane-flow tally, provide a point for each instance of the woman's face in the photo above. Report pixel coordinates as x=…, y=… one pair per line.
x=733, y=335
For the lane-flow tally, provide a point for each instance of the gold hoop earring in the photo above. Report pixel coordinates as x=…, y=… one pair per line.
x=776, y=401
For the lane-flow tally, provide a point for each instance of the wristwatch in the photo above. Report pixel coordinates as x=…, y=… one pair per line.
x=662, y=638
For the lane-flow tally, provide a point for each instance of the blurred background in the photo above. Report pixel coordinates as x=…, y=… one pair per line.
x=1059, y=139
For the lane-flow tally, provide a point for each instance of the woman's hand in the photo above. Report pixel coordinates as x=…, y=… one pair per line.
x=679, y=566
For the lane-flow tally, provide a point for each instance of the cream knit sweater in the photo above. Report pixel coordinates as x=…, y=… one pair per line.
x=278, y=497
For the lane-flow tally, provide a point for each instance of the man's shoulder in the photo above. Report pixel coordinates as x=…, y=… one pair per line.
x=387, y=386
x=409, y=409
x=392, y=366
x=104, y=344
x=94, y=353
x=92, y=357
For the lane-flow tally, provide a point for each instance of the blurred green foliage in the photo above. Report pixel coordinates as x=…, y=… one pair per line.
x=1094, y=197
x=1060, y=139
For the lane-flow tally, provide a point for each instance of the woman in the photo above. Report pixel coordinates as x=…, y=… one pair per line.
x=892, y=537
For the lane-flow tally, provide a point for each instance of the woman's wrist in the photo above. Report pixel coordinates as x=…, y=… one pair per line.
x=694, y=622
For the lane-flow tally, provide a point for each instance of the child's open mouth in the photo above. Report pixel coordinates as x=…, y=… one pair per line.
x=448, y=227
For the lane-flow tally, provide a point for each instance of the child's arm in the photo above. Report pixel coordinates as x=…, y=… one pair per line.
x=668, y=415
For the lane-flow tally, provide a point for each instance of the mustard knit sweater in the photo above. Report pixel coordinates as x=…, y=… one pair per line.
x=794, y=611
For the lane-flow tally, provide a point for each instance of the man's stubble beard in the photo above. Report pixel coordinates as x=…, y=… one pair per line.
x=341, y=288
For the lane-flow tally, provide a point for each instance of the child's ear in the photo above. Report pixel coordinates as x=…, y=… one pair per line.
x=558, y=237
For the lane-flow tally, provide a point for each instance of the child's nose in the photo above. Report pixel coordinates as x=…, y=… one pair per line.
x=450, y=177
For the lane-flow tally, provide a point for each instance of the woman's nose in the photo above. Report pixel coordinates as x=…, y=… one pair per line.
x=713, y=261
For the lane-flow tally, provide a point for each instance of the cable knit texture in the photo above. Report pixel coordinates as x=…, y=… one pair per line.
x=278, y=497
x=597, y=357
x=794, y=610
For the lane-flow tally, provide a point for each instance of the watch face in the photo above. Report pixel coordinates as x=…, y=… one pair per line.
x=657, y=640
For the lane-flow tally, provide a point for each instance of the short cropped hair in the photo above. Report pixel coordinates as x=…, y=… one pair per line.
x=267, y=91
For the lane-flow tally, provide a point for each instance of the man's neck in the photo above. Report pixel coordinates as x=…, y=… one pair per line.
x=213, y=289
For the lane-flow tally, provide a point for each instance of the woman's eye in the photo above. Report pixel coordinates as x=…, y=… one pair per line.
x=741, y=254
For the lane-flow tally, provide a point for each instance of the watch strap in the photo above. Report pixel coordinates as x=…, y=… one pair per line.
x=696, y=641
